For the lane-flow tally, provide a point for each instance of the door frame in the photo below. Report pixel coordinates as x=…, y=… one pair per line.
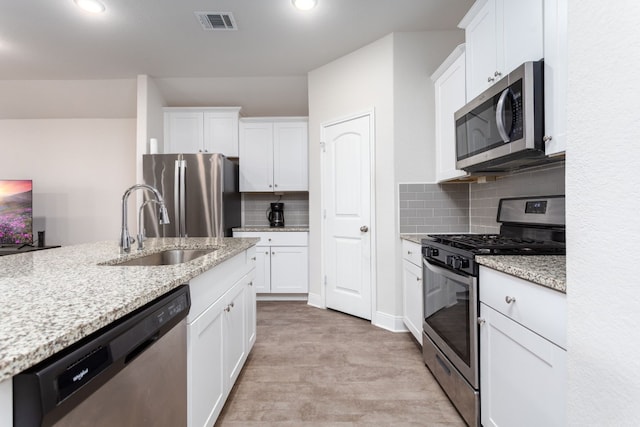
x=372, y=207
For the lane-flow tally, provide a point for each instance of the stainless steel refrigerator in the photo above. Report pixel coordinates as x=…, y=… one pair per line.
x=201, y=193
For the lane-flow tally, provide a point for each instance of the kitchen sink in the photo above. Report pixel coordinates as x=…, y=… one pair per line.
x=168, y=257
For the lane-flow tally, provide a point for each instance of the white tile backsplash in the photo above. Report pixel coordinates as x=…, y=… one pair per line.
x=255, y=205
x=473, y=207
x=434, y=208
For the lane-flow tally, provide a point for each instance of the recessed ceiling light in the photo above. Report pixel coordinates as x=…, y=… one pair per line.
x=304, y=4
x=93, y=6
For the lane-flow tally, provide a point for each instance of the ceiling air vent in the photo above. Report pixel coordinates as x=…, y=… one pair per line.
x=215, y=21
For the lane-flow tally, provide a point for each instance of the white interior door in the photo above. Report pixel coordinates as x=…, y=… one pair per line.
x=347, y=215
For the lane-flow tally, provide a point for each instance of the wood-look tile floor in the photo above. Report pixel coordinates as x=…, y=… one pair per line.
x=313, y=367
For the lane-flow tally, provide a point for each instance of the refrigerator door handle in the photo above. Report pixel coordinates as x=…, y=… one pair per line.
x=182, y=205
x=218, y=188
x=176, y=195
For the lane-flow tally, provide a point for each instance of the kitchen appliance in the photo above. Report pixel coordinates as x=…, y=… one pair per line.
x=529, y=226
x=132, y=372
x=275, y=215
x=502, y=129
x=200, y=192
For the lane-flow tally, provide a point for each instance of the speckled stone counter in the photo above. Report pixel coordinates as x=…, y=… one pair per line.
x=415, y=238
x=51, y=299
x=545, y=270
x=263, y=228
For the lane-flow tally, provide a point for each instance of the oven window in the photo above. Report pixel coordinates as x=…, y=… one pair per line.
x=446, y=308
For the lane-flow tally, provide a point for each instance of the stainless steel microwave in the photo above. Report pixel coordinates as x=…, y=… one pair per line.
x=502, y=128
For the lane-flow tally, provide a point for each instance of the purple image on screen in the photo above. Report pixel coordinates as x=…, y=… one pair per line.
x=16, y=216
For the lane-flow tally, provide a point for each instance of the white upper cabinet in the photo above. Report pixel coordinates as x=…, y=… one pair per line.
x=450, y=96
x=201, y=130
x=290, y=158
x=500, y=35
x=555, y=76
x=274, y=154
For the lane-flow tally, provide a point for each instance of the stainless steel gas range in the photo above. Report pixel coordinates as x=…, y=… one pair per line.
x=529, y=226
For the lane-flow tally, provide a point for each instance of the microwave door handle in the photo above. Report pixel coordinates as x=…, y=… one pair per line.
x=500, y=116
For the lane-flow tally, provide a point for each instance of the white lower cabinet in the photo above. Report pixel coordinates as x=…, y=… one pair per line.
x=6, y=403
x=220, y=335
x=282, y=261
x=206, y=376
x=250, y=298
x=523, y=373
x=412, y=288
x=289, y=270
x=235, y=330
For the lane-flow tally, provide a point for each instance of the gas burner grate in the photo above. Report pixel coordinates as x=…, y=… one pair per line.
x=498, y=244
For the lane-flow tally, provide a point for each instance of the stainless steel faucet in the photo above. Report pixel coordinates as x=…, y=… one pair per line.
x=142, y=236
x=163, y=215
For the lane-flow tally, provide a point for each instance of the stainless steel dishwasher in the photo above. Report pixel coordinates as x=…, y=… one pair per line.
x=130, y=373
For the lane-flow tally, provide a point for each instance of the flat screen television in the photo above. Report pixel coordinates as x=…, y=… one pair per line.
x=16, y=216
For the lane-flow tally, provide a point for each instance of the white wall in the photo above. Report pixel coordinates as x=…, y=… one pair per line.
x=416, y=56
x=116, y=98
x=62, y=99
x=360, y=81
x=390, y=76
x=258, y=96
x=603, y=213
x=80, y=169
x=150, y=121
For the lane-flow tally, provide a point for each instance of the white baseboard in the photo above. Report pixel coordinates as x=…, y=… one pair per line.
x=315, y=300
x=281, y=297
x=389, y=322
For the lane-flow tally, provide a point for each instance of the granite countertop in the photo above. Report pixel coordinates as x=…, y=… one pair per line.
x=263, y=228
x=415, y=238
x=545, y=270
x=52, y=298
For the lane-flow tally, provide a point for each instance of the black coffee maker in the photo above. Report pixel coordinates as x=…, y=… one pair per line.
x=275, y=215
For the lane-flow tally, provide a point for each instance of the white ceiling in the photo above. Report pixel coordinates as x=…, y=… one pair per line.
x=53, y=39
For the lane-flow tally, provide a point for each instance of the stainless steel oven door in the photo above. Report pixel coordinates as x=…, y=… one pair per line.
x=450, y=317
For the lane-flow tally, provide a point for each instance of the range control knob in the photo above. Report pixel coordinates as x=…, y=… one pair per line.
x=432, y=252
x=460, y=262
x=457, y=263
x=451, y=261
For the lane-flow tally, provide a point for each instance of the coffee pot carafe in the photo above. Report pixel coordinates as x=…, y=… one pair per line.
x=275, y=215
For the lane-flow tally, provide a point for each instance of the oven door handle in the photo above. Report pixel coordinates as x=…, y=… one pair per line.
x=469, y=280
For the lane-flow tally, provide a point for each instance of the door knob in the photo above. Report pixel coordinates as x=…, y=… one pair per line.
x=364, y=228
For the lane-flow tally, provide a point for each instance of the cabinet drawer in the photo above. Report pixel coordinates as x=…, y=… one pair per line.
x=277, y=238
x=412, y=252
x=540, y=309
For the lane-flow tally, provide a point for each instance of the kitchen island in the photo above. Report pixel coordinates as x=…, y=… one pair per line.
x=52, y=299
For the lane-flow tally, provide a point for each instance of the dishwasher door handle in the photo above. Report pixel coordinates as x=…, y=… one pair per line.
x=141, y=348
